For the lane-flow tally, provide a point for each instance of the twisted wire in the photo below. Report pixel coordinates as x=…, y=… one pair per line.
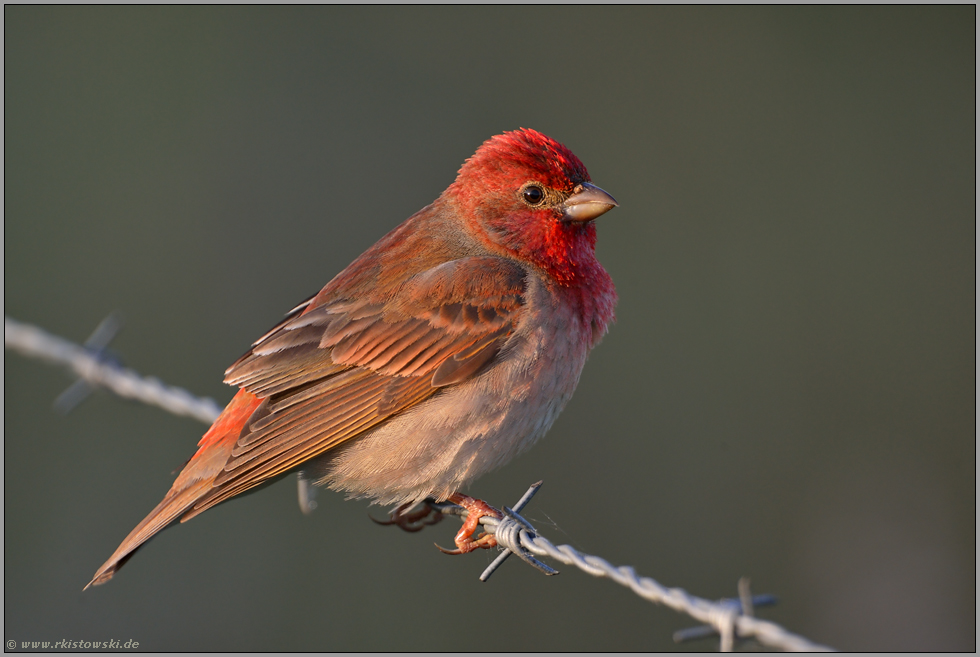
x=93, y=367
x=725, y=617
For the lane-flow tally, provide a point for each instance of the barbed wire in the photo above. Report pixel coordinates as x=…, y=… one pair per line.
x=94, y=365
x=730, y=619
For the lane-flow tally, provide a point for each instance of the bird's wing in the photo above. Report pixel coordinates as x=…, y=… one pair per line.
x=341, y=368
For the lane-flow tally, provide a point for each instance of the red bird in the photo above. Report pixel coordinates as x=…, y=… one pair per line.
x=446, y=349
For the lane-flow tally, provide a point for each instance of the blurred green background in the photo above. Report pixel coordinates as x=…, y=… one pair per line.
x=788, y=394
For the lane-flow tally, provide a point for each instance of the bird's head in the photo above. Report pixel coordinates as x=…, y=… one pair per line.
x=528, y=195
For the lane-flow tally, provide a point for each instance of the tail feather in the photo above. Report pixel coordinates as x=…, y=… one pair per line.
x=172, y=506
x=194, y=482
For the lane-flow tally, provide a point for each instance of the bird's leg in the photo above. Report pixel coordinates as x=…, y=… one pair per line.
x=412, y=521
x=476, y=509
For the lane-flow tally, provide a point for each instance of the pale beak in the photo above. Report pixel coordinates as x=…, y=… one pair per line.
x=586, y=203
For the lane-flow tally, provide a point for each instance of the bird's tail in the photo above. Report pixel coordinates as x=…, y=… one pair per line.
x=167, y=511
x=193, y=482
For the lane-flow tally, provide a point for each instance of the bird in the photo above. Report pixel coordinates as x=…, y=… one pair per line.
x=443, y=351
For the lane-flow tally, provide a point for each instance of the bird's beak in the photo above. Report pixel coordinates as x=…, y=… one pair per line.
x=586, y=203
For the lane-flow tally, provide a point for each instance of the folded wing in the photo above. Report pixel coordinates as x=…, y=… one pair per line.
x=341, y=368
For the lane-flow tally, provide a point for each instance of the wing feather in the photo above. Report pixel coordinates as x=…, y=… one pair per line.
x=342, y=366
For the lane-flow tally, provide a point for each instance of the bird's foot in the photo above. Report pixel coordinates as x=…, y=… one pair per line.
x=412, y=521
x=476, y=509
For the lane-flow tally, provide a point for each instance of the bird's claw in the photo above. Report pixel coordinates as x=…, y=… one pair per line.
x=484, y=540
x=475, y=509
x=411, y=521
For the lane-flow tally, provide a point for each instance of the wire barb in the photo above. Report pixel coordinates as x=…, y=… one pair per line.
x=507, y=531
x=511, y=531
x=745, y=605
x=305, y=494
x=96, y=369
x=97, y=344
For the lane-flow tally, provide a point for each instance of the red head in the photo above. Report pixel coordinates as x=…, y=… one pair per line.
x=528, y=194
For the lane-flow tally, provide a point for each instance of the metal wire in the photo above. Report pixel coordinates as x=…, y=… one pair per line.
x=724, y=617
x=92, y=367
x=730, y=619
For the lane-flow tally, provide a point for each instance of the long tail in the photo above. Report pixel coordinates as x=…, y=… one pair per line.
x=193, y=482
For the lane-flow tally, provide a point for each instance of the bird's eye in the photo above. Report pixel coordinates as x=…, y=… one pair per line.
x=533, y=195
